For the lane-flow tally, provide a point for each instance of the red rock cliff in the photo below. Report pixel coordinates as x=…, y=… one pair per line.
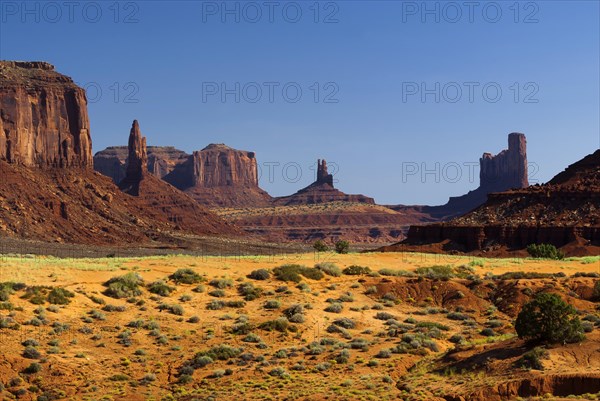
x=43, y=117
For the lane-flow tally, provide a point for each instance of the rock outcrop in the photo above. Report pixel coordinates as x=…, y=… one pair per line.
x=162, y=199
x=506, y=170
x=321, y=191
x=216, y=176
x=43, y=120
x=112, y=161
x=564, y=212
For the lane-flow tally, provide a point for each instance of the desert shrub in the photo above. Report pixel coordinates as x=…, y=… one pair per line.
x=545, y=251
x=124, y=286
x=33, y=368
x=30, y=342
x=217, y=293
x=200, y=361
x=280, y=324
x=396, y=273
x=193, y=319
x=160, y=288
x=355, y=270
x=272, y=304
x=488, y=332
x=586, y=274
x=342, y=246
x=437, y=272
x=384, y=316
x=186, y=276
x=219, y=353
x=384, y=353
x=175, y=309
x=252, y=338
x=221, y=283
x=342, y=357
x=114, y=308
x=60, y=296
x=199, y=288
x=278, y=372
x=293, y=312
x=335, y=307
x=320, y=246
x=9, y=288
x=185, y=298
x=249, y=291
x=314, y=348
x=433, y=325
x=292, y=272
x=235, y=304
x=329, y=268
x=527, y=275
x=96, y=314
x=547, y=318
x=345, y=322
x=457, y=339
x=533, y=359
x=31, y=353
x=457, y=316
x=260, y=274
x=215, y=305
x=36, y=294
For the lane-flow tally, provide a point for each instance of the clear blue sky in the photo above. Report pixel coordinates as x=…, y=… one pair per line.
x=370, y=52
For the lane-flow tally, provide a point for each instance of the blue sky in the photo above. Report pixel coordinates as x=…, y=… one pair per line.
x=361, y=68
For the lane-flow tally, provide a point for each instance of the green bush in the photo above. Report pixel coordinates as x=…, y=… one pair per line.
x=329, y=268
x=342, y=246
x=160, y=288
x=396, y=273
x=173, y=308
x=533, y=359
x=260, y=274
x=280, y=324
x=356, y=270
x=292, y=272
x=547, y=318
x=60, y=296
x=320, y=246
x=33, y=368
x=186, y=276
x=437, y=272
x=545, y=251
x=124, y=286
x=222, y=283
x=219, y=353
x=249, y=291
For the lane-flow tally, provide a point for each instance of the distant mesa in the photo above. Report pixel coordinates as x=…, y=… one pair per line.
x=216, y=176
x=321, y=191
x=564, y=212
x=506, y=170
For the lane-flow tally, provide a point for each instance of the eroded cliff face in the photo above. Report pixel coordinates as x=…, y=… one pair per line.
x=43, y=117
x=215, y=166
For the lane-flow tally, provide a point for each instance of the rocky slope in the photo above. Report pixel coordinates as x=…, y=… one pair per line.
x=321, y=191
x=43, y=119
x=564, y=212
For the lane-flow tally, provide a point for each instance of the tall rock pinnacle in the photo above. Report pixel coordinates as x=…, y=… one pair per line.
x=323, y=177
x=138, y=156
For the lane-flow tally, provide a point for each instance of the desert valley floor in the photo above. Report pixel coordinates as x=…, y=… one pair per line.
x=366, y=326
